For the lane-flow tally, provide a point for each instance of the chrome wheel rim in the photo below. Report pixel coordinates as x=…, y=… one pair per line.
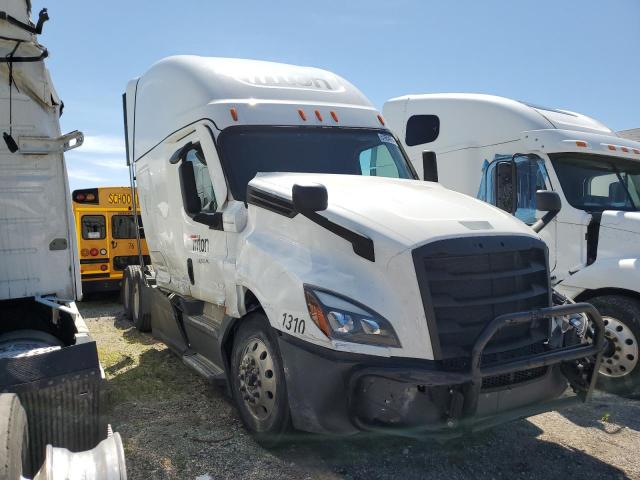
x=621, y=355
x=257, y=379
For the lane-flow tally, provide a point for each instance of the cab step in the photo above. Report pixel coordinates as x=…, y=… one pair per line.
x=204, y=367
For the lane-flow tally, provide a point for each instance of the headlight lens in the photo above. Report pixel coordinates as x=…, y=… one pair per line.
x=343, y=319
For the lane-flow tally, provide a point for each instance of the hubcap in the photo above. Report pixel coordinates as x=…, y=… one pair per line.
x=257, y=379
x=621, y=355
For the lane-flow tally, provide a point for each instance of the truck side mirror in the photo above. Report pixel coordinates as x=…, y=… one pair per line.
x=506, y=186
x=190, y=198
x=429, y=166
x=546, y=201
x=309, y=198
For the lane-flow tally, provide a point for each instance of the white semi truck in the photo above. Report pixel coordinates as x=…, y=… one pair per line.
x=297, y=259
x=50, y=377
x=503, y=151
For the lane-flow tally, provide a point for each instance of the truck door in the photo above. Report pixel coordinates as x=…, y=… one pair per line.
x=203, y=195
x=511, y=183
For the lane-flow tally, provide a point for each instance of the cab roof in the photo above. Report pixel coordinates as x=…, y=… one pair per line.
x=180, y=90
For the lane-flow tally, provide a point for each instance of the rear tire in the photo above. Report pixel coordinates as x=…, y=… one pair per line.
x=620, y=367
x=140, y=301
x=257, y=381
x=125, y=293
x=14, y=438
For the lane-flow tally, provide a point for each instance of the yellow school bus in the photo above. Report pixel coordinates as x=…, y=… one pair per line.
x=106, y=232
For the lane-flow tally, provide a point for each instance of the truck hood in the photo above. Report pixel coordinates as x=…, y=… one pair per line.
x=617, y=220
x=409, y=212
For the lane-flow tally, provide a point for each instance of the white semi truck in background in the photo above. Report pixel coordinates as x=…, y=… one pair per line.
x=503, y=151
x=50, y=377
x=297, y=259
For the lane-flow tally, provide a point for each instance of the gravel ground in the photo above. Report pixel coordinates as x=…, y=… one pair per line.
x=176, y=426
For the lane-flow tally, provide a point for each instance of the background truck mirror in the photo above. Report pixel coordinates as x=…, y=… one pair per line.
x=309, y=198
x=429, y=166
x=506, y=186
x=190, y=198
x=546, y=201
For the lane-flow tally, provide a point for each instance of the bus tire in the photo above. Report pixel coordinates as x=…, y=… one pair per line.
x=620, y=367
x=140, y=301
x=14, y=437
x=258, y=382
x=125, y=292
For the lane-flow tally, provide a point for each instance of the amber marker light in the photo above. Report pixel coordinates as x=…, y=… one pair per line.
x=316, y=313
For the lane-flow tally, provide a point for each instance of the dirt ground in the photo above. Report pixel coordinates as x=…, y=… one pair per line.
x=176, y=426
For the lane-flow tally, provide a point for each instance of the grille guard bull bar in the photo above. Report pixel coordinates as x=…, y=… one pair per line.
x=564, y=354
x=472, y=380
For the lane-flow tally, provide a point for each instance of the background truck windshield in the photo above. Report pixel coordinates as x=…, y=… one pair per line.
x=598, y=182
x=246, y=151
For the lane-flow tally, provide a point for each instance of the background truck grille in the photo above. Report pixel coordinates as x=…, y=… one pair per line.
x=466, y=282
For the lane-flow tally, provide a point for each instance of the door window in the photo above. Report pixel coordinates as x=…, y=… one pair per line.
x=93, y=227
x=203, y=184
x=124, y=227
x=530, y=176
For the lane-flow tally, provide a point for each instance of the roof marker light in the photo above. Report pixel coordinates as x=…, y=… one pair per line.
x=636, y=151
x=303, y=116
x=234, y=114
x=334, y=115
x=580, y=143
x=318, y=115
x=611, y=147
x=381, y=120
x=624, y=149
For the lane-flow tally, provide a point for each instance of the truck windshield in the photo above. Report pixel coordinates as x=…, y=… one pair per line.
x=245, y=151
x=598, y=182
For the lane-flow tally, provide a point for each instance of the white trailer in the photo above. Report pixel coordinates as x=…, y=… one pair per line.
x=50, y=376
x=502, y=151
x=297, y=259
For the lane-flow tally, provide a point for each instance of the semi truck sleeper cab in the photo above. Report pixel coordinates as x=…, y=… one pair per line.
x=297, y=258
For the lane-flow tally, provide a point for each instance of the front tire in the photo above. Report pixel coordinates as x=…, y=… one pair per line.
x=258, y=382
x=620, y=367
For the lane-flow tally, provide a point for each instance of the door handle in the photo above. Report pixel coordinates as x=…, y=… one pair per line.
x=114, y=244
x=190, y=271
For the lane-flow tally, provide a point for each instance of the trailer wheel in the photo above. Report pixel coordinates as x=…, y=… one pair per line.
x=125, y=292
x=140, y=301
x=14, y=439
x=258, y=383
x=620, y=367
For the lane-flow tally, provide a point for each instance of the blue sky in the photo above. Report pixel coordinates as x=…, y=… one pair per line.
x=578, y=55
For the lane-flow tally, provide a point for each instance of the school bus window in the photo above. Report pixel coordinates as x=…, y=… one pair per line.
x=124, y=227
x=94, y=227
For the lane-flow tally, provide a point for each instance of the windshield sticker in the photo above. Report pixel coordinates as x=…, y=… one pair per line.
x=386, y=138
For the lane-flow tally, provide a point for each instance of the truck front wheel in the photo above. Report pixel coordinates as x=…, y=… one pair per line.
x=620, y=367
x=14, y=444
x=258, y=382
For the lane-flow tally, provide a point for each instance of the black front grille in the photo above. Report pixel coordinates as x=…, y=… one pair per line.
x=507, y=379
x=121, y=262
x=467, y=282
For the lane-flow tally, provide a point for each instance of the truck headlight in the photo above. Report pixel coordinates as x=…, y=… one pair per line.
x=343, y=319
